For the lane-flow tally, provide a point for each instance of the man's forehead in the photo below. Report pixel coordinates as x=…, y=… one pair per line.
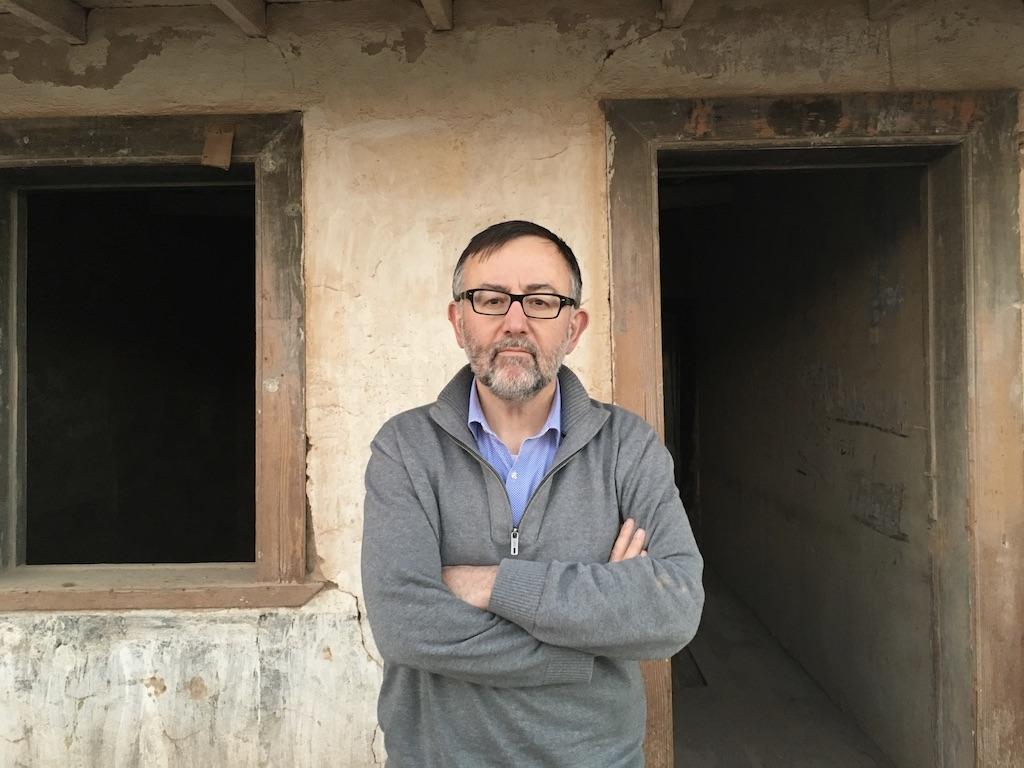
x=529, y=260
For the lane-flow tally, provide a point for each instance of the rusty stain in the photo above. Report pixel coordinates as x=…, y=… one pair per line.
x=197, y=688
x=968, y=108
x=326, y=653
x=702, y=119
x=156, y=685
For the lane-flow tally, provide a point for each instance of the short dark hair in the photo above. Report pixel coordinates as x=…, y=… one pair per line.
x=495, y=236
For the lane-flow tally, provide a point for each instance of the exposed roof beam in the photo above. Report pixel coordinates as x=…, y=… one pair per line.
x=439, y=12
x=675, y=11
x=250, y=15
x=880, y=10
x=56, y=17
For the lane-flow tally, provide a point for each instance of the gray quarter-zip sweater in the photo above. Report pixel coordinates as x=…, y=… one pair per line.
x=548, y=676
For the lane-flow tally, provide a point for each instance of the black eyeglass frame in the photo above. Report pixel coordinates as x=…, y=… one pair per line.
x=563, y=301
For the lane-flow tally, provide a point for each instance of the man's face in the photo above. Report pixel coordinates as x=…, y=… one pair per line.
x=513, y=355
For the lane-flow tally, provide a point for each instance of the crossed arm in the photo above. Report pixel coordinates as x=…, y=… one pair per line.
x=635, y=607
x=473, y=584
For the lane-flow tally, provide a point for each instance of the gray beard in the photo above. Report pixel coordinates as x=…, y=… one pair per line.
x=516, y=389
x=531, y=375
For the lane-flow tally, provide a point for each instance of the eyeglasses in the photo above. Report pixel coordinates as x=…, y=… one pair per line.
x=539, y=306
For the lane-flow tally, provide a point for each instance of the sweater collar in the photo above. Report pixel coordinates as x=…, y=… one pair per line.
x=478, y=420
x=581, y=417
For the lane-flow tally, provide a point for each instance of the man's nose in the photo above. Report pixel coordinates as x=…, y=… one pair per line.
x=515, y=318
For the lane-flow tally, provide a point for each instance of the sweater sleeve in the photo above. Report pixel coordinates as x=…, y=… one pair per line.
x=643, y=608
x=416, y=620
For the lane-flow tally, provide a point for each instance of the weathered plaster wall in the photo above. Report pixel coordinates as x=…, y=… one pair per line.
x=413, y=141
x=158, y=689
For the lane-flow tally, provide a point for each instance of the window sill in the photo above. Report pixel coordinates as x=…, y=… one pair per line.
x=125, y=587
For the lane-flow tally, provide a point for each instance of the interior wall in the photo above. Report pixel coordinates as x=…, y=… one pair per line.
x=414, y=140
x=809, y=296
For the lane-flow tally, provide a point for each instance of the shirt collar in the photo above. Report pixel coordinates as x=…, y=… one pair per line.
x=478, y=421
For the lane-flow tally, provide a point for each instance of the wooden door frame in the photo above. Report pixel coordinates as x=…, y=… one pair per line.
x=974, y=349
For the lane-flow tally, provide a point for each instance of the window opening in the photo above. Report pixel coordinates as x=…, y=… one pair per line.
x=140, y=362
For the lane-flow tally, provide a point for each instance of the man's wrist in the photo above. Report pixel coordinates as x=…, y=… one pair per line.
x=485, y=585
x=472, y=584
x=516, y=591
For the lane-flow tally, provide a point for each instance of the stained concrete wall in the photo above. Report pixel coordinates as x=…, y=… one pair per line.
x=413, y=141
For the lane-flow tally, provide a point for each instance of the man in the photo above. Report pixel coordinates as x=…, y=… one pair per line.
x=523, y=544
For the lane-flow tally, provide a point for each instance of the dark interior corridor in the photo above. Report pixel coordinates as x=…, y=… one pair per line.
x=794, y=305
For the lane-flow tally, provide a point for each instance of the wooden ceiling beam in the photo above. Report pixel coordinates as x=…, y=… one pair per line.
x=249, y=15
x=439, y=12
x=62, y=18
x=675, y=11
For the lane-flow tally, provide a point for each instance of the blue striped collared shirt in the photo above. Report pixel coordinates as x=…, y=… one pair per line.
x=523, y=473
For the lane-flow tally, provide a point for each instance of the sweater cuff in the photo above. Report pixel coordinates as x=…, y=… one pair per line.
x=517, y=590
x=569, y=666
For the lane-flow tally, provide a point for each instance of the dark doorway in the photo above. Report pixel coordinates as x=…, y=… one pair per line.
x=795, y=342
x=140, y=350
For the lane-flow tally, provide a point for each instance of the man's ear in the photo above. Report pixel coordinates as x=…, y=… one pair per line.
x=577, y=325
x=453, y=318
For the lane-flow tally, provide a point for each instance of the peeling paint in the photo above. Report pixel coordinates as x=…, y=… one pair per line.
x=412, y=43
x=58, y=63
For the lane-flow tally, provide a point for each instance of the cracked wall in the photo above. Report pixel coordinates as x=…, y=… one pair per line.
x=414, y=140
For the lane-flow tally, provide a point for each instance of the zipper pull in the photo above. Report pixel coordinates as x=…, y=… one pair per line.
x=514, y=539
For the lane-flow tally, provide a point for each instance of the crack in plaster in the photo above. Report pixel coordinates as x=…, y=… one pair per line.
x=360, y=619
x=888, y=53
x=555, y=154
x=284, y=57
x=630, y=43
x=377, y=759
x=175, y=739
x=24, y=737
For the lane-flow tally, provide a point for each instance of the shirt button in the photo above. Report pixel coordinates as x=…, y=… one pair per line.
x=514, y=475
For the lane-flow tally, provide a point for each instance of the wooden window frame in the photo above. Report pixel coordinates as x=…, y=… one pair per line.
x=41, y=151
x=975, y=356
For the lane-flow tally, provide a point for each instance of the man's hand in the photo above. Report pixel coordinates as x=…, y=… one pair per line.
x=471, y=583
x=629, y=544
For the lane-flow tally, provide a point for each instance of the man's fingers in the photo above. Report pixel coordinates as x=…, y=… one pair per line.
x=636, y=544
x=622, y=541
x=629, y=543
